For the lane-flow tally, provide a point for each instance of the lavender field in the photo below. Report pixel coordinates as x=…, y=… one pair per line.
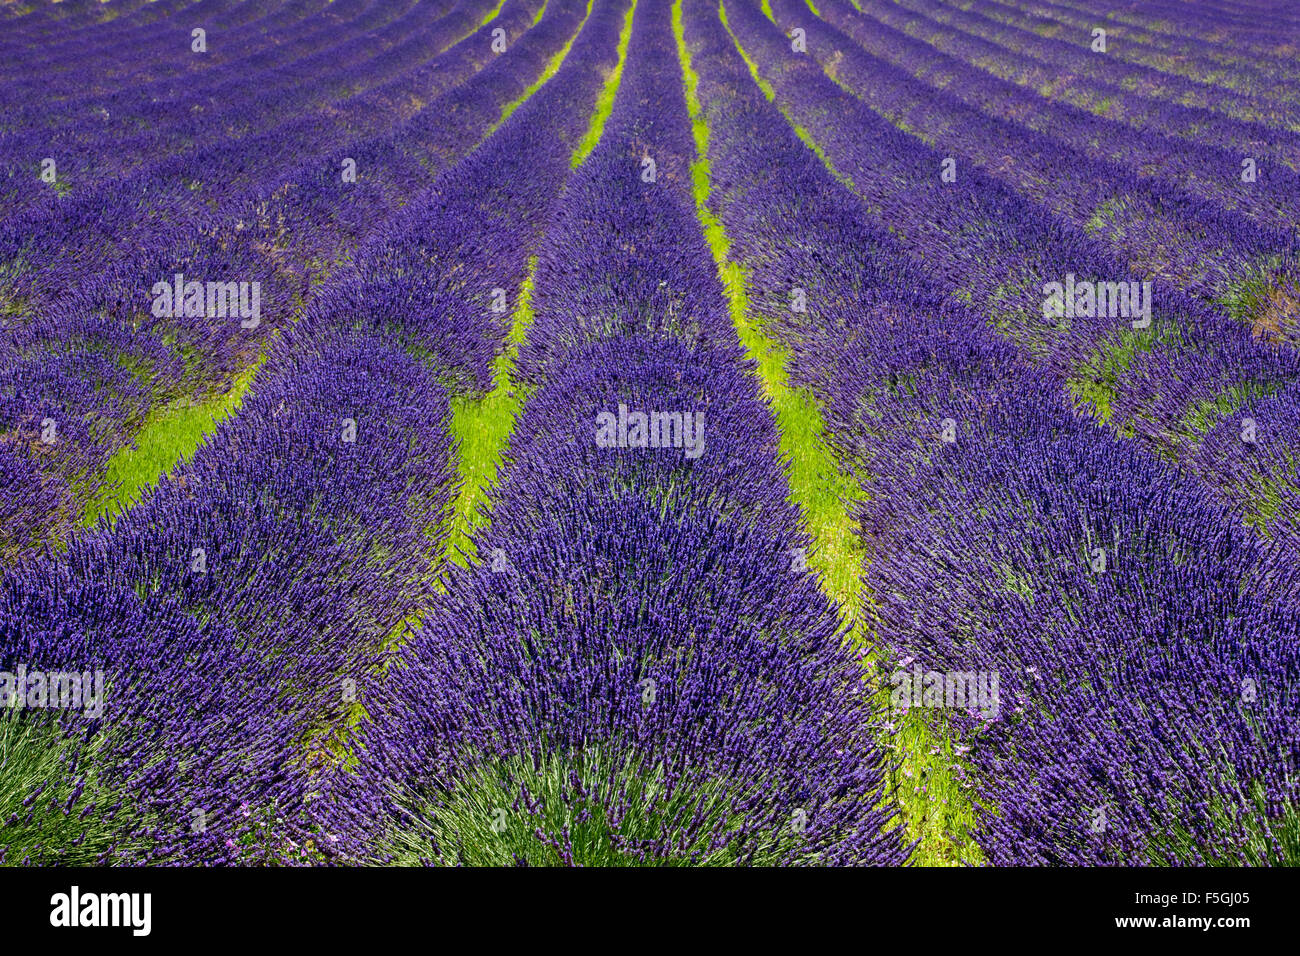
x=650, y=432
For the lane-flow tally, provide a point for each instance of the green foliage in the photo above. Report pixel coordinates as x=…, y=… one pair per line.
x=170, y=436
x=67, y=821
x=583, y=809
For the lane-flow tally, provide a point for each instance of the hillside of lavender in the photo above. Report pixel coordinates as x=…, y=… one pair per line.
x=650, y=432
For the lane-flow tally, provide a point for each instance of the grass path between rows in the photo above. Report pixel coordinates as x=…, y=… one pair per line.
x=481, y=428
x=170, y=436
x=937, y=812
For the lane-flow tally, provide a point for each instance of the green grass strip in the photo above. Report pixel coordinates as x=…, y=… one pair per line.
x=552, y=68
x=818, y=485
x=1095, y=384
x=482, y=426
x=936, y=811
x=170, y=436
x=492, y=16
x=605, y=102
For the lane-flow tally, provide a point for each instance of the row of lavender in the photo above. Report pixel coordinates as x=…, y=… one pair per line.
x=1246, y=52
x=1190, y=233
x=1205, y=170
x=94, y=359
x=240, y=615
x=635, y=672
x=216, y=96
x=1143, y=641
x=1145, y=99
x=1193, y=369
x=225, y=628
